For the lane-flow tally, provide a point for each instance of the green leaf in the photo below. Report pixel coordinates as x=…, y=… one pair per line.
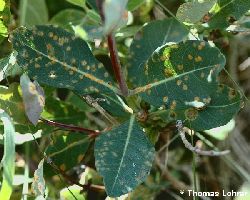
x=33, y=98
x=38, y=184
x=148, y=40
x=8, y=67
x=68, y=18
x=33, y=12
x=134, y=4
x=11, y=101
x=57, y=58
x=66, y=193
x=182, y=78
x=80, y=3
x=67, y=151
x=192, y=12
x=4, y=18
x=123, y=156
x=229, y=10
x=8, y=161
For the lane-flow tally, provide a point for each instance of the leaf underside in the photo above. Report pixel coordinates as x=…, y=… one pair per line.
x=123, y=156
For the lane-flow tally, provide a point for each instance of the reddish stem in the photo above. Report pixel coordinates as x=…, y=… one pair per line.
x=116, y=65
x=91, y=133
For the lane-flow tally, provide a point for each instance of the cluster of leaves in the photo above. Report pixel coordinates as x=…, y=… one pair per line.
x=178, y=79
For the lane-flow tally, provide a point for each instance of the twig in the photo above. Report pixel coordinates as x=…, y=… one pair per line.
x=182, y=130
x=176, y=184
x=94, y=103
x=91, y=133
x=116, y=65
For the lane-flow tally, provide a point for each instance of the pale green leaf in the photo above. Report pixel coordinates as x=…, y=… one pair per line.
x=192, y=12
x=8, y=161
x=33, y=12
x=66, y=193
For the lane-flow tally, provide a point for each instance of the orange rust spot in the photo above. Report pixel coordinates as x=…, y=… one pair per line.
x=184, y=87
x=180, y=67
x=191, y=114
x=165, y=99
x=178, y=82
x=79, y=158
x=173, y=105
x=62, y=167
x=198, y=59
x=190, y=57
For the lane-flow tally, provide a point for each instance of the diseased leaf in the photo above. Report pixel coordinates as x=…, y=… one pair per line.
x=123, y=156
x=57, y=58
x=117, y=18
x=67, y=151
x=38, y=184
x=148, y=40
x=33, y=98
x=229, y=11
x=182, y=78
x=11, y=101
x=33, y=12
x=8, y=160
x=192, y=12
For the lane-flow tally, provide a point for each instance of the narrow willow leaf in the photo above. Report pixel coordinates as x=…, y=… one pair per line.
x=33, y=12
x=38, y=184
x=123, y=156
x=148, y=40
x=57, y=58
x=8, y=161
x=192, y=12
x=117, y=18
x=67, y=151
x=11, y=101
x=182, y=78
x=228, y=12
x=33, y=98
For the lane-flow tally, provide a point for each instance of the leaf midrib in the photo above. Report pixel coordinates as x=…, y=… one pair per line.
x=152, y=85
x=130, y=128
x=87, y=75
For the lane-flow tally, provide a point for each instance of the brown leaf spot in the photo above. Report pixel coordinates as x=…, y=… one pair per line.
x=191, y=114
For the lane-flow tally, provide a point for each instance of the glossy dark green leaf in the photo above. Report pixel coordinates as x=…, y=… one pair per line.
x=182, y=78
x=57, y=58
x=192, y=12
x=33, y=98
x=148, y=40
x=8, y=160
x=229, y=12
x=67, y=150
x=123, y=156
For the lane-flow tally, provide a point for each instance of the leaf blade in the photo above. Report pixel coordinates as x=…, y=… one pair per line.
x=130, y=154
